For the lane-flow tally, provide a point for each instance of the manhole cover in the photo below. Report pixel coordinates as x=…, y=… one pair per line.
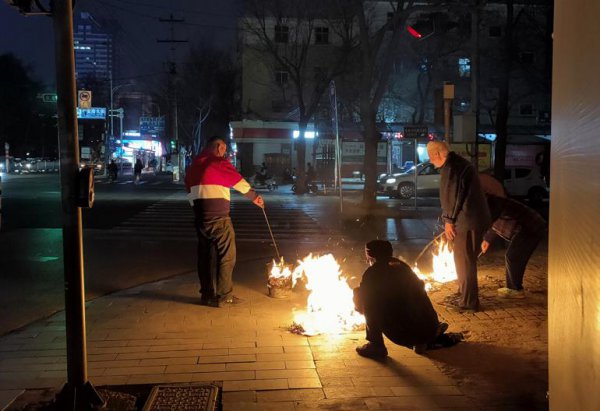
x=182, y=398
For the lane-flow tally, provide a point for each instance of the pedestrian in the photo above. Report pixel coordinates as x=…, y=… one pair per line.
x=137, y=170
x=113, y=171
x=466, y=217
x=394, y=302
x=208, y=181
x=523, y=228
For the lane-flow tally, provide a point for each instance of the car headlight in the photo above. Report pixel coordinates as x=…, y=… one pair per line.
x=390, y=181
x=28, y=165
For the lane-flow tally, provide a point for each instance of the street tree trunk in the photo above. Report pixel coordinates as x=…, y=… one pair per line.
x=300, y=145
x=370, y=161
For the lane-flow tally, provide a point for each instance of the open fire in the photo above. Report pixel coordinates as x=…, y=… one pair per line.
x=329, y=306
x=443, y=269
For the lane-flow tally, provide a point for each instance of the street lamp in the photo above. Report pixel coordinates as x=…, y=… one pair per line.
x=112, y=92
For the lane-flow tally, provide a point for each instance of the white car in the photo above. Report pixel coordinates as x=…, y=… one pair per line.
x=402, y=185
x=525, y=182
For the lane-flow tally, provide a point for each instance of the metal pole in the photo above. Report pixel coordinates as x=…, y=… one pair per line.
x=271, y=232
x=338, y=149
x=475, y=79
x=77, y=391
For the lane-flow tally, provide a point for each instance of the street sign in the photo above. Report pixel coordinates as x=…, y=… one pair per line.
x=92, y=113
x=152, y=125
x=85, y=98
x=416, y=132
x=49, y=97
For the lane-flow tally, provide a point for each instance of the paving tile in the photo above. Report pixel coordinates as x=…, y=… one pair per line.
x=397, y=403
x=311, y=394
x=109, y=380
x=300, y=373
x=239, y=396
x=285, y=357
x=227, y=359
x=293, y=365
x=168, y=361
x=337, y=382
x=352, y=404
x=224, y=376
x=259, y=365
x=257, y=385
x=446, y=390
x=343, y=392
x=313, y=382
x=253, y=406
x=136, y=370
x=159, y=378
x=257, y=350
x=191, y=368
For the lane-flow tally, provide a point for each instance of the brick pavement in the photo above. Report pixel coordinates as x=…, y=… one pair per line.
x=157, y=333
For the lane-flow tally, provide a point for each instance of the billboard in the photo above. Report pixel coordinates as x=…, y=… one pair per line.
x=152, y=125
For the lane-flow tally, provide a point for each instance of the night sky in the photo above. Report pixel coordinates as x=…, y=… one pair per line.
x=138, y=54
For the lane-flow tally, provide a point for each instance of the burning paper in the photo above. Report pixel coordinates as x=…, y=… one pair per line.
x=444, y=269
x=329, y=307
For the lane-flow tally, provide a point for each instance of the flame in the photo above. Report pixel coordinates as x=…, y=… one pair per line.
x=329, y=308
x=444, y=269
x=280, y=270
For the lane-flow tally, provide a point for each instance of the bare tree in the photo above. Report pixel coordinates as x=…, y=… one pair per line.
x=281, y=34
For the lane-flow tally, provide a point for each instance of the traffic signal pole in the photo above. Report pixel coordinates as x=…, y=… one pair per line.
x=78, y=393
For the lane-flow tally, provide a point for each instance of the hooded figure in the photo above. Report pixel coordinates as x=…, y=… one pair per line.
x=394, y=302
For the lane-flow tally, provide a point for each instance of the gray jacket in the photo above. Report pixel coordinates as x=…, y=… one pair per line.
x=463, y=201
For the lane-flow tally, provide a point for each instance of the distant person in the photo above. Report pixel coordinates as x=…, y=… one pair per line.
x=466, y=217
x=208, y=182
x=523, y=229
x=137, y=170
x=113, y=171
x=310, y=174
x=394, y=302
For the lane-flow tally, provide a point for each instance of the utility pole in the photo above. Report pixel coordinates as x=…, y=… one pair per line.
x=76, y=192
x=172, y=71
x=475, y=80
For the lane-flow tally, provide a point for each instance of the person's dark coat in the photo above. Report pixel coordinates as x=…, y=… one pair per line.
x=461, y=196
x=511, y=217
x=391, y=292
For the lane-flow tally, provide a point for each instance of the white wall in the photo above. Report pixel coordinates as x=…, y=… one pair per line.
x=574, y=250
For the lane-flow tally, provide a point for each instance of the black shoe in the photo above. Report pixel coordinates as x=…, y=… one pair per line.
x=420, y=349
x=210, y=302
x=231, y=300
x=461, y=309
x=441, y=329
x=374, y=351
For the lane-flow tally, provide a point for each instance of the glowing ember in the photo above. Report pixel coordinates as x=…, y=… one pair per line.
x=329, y=307
x=443, y=267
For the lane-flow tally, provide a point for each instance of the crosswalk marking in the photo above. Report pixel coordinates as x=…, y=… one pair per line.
x=173, y=219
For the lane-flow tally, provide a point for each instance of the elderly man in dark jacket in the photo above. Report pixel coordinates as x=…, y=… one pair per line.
x=523, y=229
x=394, y=302
x=466, y=217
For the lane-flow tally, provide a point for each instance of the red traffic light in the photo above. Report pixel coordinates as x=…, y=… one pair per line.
x=414, y=32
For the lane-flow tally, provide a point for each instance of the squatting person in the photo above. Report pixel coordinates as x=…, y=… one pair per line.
x=394, y=302
x=466, y=217
x=208, y=181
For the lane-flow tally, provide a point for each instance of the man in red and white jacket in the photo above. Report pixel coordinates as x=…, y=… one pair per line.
x=208, y=181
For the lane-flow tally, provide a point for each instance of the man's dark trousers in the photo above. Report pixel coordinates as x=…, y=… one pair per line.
x=216, y=257
x=518, y=253
x=466, y=248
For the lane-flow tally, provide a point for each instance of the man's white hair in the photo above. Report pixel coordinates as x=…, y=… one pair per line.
x=440, y=147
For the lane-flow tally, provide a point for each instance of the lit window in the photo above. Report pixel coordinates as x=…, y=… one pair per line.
x=464, y=67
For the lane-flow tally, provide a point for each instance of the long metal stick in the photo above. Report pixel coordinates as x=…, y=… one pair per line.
x=271, y=232
x=427, y=246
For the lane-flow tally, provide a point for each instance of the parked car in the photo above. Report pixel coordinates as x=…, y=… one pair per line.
x=525, y=182
x=402, y=185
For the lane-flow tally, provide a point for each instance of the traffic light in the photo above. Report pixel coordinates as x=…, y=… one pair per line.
x=173, y=145
x=422, y=27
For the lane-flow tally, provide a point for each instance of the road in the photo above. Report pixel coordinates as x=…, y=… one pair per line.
x=133, y=234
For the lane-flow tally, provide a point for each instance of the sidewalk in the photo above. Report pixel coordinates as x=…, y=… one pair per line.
x=158, y=333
